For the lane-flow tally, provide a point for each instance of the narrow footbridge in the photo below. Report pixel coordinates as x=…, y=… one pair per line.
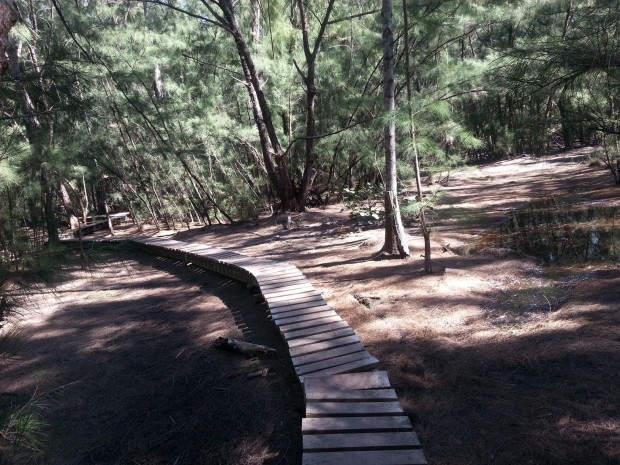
x=353, y=416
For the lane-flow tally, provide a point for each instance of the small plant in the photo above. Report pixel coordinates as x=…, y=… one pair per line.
x=21, y=430
x=610, y=156
x=366, y=204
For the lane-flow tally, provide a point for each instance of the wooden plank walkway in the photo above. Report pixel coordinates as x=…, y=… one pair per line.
x=354, y=419
x=353, y=416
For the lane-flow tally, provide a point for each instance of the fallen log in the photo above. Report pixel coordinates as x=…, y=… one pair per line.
x=242, y=347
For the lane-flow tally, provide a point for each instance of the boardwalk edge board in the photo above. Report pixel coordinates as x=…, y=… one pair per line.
x=353, y=416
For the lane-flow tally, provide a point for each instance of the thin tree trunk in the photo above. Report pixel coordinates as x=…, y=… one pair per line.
x=395, y=245
x=68, y=206
x=311, y=91
x=8, y=19
x=273, y=155
x=256, y=21
x=107, y=214
x=85, y=204
x=426, y=232
x=48, y=205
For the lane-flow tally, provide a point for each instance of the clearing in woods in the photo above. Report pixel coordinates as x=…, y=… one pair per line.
x=497, y=358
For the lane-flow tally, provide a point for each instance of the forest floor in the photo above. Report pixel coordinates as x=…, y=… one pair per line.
x=497, y=358
x=118, y=361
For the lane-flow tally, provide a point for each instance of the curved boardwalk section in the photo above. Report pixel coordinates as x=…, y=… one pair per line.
x=353, y=416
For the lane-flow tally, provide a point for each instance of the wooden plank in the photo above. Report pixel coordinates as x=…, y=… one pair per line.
x=358, y=365
x=239, y=259
x=285, y=292
x=278, y=269
x=192, y=248
x=307, y=324
x=300, y=306
x=295, y=296
x=319, y=337
x=301, y=311
x=370, y=380
x=396, y=457
x=350, y=409
x=344, y=395
x=278, y=278
x=295, y=301
x=273, y=264
x=327, y=354
x=355, y=424
x=332, y=362
x=301, y=284
x=259, y=265
x=266, y=281
x=315, y=330
x=323, y=345
x=220, y=252
x=218, y=256
x=269, y=287
x=360, y=441
x=307, y=317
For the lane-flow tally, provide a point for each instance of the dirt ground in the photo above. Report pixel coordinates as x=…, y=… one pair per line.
x=121, y=363
x=496, y=358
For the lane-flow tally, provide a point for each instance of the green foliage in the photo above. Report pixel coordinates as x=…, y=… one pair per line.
x=21, y=430
x=366, y=203
x=146, y=108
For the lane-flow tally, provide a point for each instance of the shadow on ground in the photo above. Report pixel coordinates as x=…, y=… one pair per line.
x=130, y=375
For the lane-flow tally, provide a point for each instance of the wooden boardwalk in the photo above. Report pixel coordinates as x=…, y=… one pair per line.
x=353, y=416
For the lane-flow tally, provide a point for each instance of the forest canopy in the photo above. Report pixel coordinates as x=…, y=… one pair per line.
x=214, y=110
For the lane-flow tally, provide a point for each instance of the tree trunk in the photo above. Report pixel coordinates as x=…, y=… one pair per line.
x=68, y=206
x=48, y=205
x=395, y=245
x=311, y=91
x=256, y=21
x=426, y=232
x=158, y=83
x=8, y=19
x=273, y=155
x=85, y=201
x=107, y=215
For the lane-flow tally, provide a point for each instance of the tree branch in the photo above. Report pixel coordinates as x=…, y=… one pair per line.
x=218, y=23
x=322, y=136
x=359, y=15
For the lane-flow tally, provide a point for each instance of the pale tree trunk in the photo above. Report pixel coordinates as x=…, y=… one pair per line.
x=8, y=18
x=68, y=205
x=158, y=83
x=311, y=91
x=395, y=245
x=426, y=231
x=256, y=21
x=273, y=155
x=109, y=219
x=48, y=204
x=36, y=133
x=84, y=202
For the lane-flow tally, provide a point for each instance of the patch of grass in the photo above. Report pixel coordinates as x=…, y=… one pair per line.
x=21, y=428
x=10, y=343
x=530, y=300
